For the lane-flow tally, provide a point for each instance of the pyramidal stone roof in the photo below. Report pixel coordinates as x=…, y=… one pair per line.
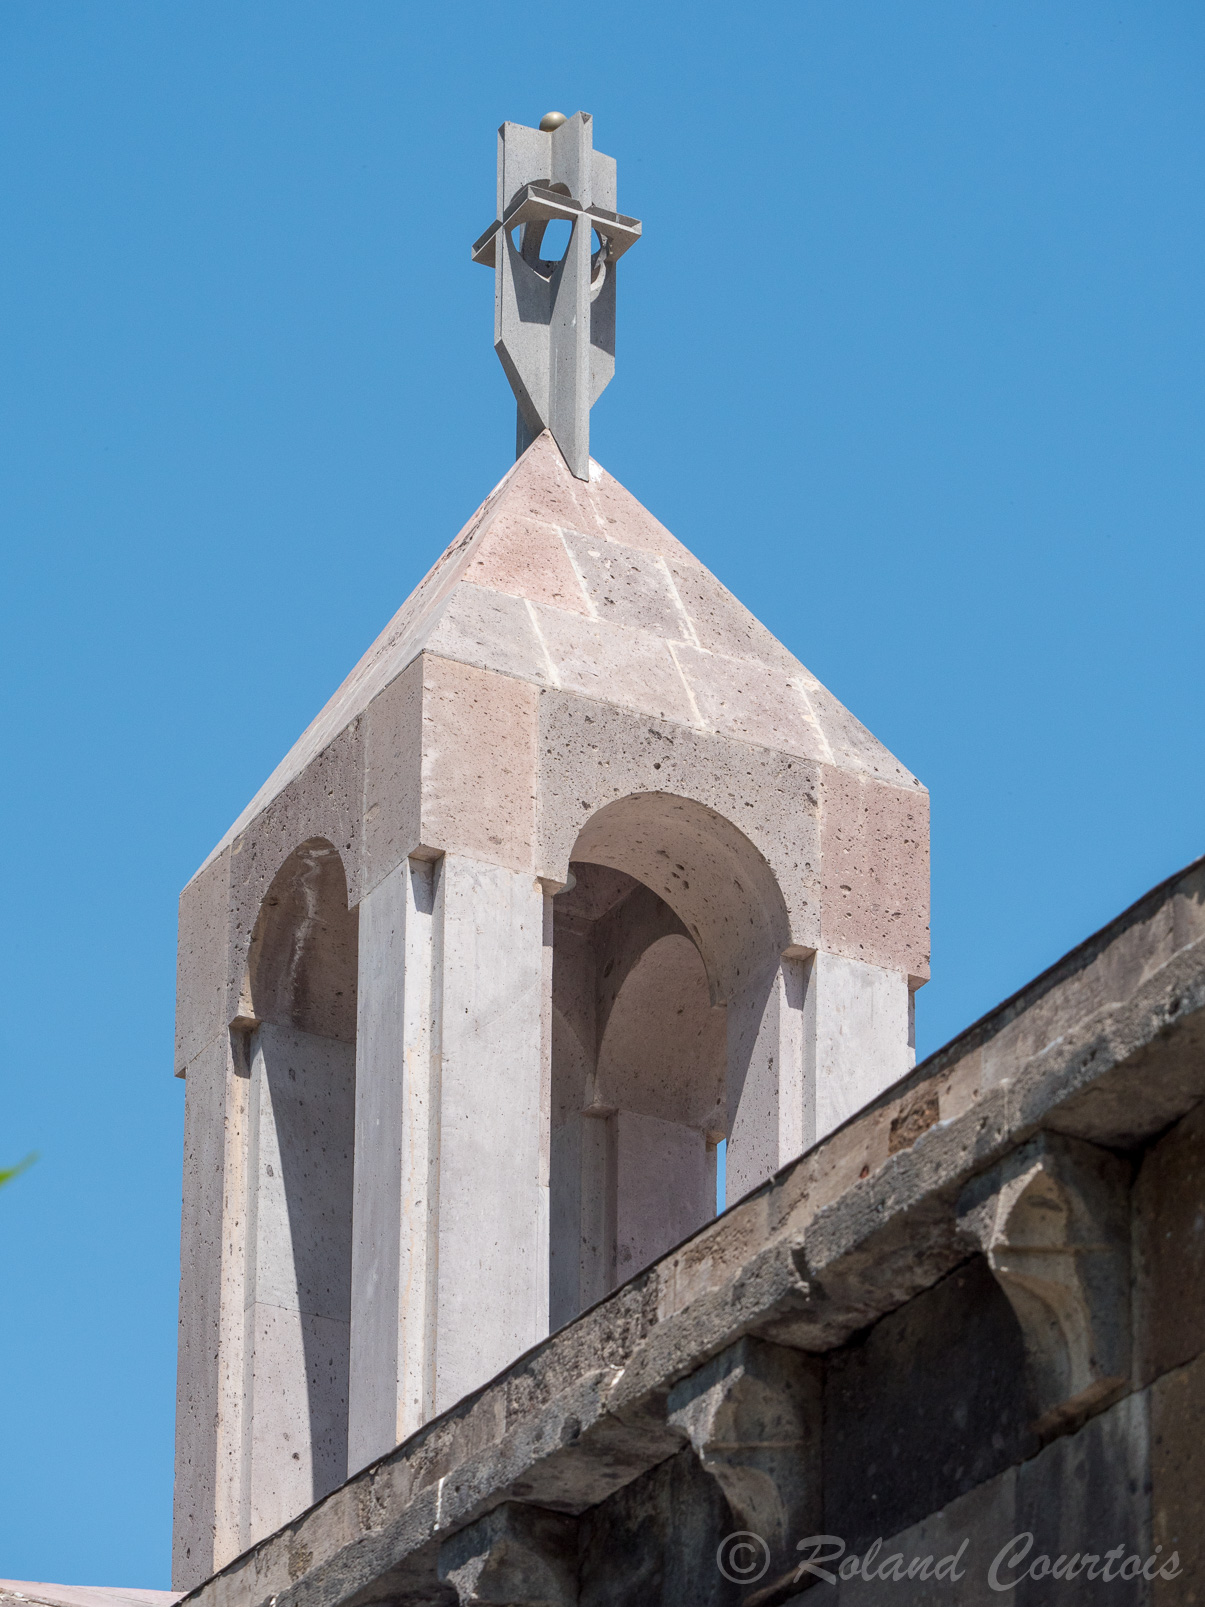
x=573, y=584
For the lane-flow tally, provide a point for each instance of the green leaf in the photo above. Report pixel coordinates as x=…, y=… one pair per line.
x=8, y=1173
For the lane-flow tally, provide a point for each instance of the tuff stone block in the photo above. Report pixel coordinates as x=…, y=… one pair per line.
x=626, y=586
x=1053, y=1221
x=653, y=1543
x=525, y=558
x=324, y=802
x=490, y=631
x=874, y=850
x=614, y=663
x=1177, y=1473
x=853, y=747
x=591, y=755
x=753, y=702
x=611, y=509
x=754, y=1416
x=930, y=1403
x=961, y=1540
x=517, y=1556
x=202, y=961
x=1086, y=1494
x=720, y=623
x=1169, y=1248
x=479, y=764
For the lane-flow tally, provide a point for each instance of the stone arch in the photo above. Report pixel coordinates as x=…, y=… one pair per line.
x=670, y=994
x=301, y=961
x=705, y=869
x=299, y=1007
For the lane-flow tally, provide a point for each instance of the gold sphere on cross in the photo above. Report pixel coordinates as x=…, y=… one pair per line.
x=551, y=120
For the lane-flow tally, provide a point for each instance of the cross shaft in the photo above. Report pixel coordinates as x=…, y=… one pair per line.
x=554, y=321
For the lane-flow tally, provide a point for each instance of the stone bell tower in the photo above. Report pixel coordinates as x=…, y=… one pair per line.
x=578, y=874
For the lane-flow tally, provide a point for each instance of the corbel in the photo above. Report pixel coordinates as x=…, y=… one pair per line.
x=754, y=1418
x=1053, y=1221
x=515, y=1556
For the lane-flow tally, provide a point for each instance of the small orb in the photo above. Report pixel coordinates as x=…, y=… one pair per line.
x=551, y=120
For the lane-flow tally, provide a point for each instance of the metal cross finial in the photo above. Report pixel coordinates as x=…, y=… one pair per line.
x=554, y=322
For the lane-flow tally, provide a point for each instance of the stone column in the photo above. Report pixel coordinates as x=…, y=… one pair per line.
x=492, y=1287
x=450, y=1256
x=397, y=1042
x=857, y=1039
x=298, y=1275
x=806, y=1051
x=209, y=1380
x=766, y=1092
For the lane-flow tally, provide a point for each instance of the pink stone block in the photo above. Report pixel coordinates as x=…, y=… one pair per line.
x=854, y=747
x=541, y=487
x=479, y=764
x=721, y=623
x=626, y=586
x=874, y=846
x=525, y=557
x=746, y=699
x=491, y=631
x=618, y=514
x=615, y=664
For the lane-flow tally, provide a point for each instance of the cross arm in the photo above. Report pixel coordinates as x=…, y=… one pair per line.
x=535, y=203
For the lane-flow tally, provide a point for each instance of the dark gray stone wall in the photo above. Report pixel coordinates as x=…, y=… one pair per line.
x=655, y=1541
x=930, y=1402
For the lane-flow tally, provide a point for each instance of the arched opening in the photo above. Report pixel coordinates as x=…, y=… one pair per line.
x=661, y=1066
x=667, y=954
x=299, y=1006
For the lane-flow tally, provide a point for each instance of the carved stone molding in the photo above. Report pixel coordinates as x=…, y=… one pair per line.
x=1053, y=1221
x=516, y=1556
x=754, y=1417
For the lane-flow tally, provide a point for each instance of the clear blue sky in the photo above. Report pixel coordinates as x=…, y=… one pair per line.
x=910, y=355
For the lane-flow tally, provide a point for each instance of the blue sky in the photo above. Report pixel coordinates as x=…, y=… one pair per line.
x=910, y=355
